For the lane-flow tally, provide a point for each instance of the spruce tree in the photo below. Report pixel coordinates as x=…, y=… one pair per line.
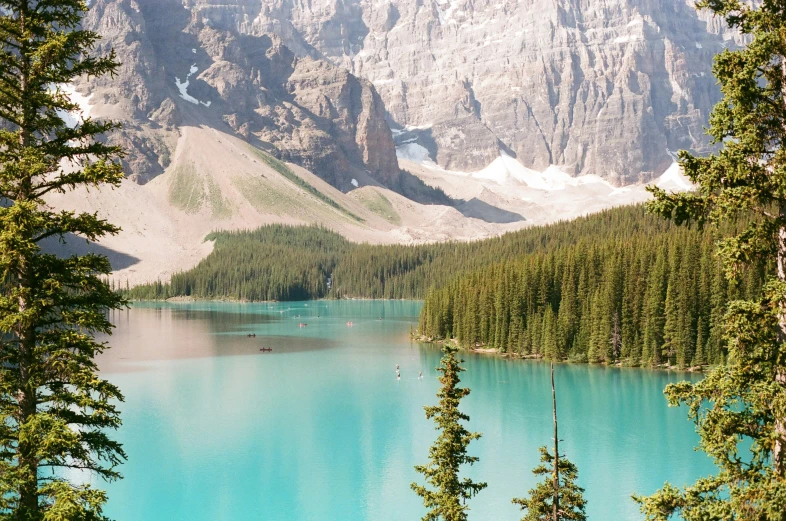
x=54, y=408
x=446, y=493
x=558, y=497
x=740, y=408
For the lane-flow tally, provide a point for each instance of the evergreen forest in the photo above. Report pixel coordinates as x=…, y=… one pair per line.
x=643, y=298
x=620, y=286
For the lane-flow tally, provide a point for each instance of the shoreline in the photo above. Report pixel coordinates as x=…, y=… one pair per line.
x=491, y=351
x=190, y=299
x=479, y=350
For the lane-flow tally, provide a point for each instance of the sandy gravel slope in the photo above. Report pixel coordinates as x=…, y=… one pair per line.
x=219, y=182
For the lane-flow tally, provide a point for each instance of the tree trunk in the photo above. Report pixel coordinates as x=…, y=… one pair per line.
x=28, y=490
x=779, y=448
x=28, y=407
x=28, y=397
x=555, y=501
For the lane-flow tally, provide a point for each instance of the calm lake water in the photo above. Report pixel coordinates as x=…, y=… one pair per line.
x=321, y=430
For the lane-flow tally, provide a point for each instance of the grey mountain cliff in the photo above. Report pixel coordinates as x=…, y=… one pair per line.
x=609, y=87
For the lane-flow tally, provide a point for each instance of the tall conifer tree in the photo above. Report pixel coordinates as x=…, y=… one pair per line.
x=740, y=408
x=54, y=408
x=446, y=493
x=557, y=497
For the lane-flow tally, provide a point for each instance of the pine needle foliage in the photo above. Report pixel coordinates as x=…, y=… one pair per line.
x=538, y=506
x=638, y=297
x=740, y=408
x=558, y=497
x=54, y=408
x=445, y=494
x=252, y=264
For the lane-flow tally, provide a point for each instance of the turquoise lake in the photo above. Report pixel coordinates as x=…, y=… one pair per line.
x=320, y=429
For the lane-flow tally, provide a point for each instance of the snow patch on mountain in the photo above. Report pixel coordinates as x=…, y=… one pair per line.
x=505, y=170
x=72, y=119
x=674, y=179
x=417, y=154
x=183, y=88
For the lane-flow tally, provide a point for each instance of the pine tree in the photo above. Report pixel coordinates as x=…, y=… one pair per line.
x=447, y=493
x=672, y=326
x=654, y=312
x=558, y=497
x=54, y=408
x=616, y=337
x=548, y=340
x=740, y=408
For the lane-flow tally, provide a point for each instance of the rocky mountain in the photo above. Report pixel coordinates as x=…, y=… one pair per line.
x=360, y=115
x=609, y=87
x=180, y=69
x=605, y=87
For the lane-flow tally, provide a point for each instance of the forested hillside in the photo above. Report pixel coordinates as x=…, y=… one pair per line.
x=293, y=263
x=618, y=286
x=639, y=297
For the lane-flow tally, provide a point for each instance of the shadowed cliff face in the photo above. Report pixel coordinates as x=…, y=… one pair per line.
x=610, y=87
x=182, y=67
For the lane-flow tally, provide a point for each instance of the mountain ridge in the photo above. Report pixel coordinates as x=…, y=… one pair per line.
x=176, y=70
x=610, y=88
x=208, y=91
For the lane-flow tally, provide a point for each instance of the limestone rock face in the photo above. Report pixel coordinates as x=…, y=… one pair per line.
x=611, y=87
x=182, y=66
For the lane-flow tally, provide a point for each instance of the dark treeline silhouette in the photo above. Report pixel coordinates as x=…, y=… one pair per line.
x=271, y=263
x=294, y=263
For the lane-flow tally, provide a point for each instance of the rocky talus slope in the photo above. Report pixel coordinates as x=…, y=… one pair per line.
x=179, y=69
